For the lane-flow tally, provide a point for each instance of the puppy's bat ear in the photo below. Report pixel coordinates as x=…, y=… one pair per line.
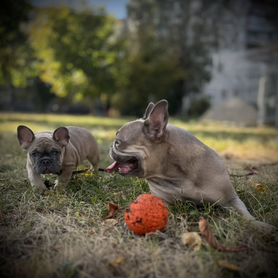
x=148, y=110
x=61, y=136
x=157, y=120
x=25, y=136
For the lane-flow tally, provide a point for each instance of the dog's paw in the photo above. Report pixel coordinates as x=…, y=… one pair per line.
x=40, y=188
x=264, y=227
x=59, y=187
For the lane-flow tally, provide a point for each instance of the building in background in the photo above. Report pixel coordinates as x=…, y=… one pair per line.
x=245, y=61
x=242, y=38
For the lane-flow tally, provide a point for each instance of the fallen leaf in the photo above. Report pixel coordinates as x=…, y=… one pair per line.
x=229, y=266
x=110, y=222
x=260, y=187
x=192, y=240
x=118, y=261
x=112, y=209
x=207, y=234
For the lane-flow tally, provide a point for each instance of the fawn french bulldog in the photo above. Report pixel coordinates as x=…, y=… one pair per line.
x=58, y=152
x=176, y=165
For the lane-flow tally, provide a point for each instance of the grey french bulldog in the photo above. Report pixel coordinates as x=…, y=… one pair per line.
x=176, y=165
x=58, y=152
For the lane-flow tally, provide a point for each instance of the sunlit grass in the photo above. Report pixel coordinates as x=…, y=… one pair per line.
x=241, y=142
x=52, y=119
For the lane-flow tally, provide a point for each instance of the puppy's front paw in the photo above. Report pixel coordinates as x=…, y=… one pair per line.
x=41, y=188
x=59, y=186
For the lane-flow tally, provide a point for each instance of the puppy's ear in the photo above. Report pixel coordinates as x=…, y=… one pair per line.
x=25, y=136
x=157, y=120
x=148, y=110
x=61, y=136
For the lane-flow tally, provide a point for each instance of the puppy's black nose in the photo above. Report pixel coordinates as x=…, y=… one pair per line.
x=45, y=161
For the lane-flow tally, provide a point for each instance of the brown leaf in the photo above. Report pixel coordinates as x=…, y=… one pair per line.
x=192, y=240
x=229, y=266
x=112, y=210
x=118, y=261
x=211, y=240
x=261, y=188
x=109, y=223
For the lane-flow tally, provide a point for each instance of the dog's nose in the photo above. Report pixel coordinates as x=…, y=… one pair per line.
x=45, y=161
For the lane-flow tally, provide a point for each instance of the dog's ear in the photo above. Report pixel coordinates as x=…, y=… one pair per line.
x=157, y=120
x=25, y=136
x=148, y=110
x=61, y=136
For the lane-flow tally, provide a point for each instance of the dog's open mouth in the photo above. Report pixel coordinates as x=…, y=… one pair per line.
x=125, y=167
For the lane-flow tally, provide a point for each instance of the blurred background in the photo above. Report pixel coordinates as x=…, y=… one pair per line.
x=212, y=60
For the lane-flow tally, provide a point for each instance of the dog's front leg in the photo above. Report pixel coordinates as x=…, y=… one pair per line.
x=35, y=179
x=64, y=178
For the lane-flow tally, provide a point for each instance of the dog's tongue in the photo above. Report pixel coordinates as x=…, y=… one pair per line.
x=123, y=168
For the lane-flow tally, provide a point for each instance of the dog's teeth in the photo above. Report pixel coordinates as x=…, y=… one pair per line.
x=113, y=167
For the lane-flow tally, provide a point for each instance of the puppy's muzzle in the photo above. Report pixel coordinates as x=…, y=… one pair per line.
x=125, y=163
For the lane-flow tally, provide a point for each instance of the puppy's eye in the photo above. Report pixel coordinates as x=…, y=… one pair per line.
x=35, y=153
x=55, y=152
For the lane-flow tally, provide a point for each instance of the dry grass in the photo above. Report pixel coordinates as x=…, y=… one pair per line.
x=66, y=235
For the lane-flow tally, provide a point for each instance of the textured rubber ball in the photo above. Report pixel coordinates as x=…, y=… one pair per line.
x=147, y=214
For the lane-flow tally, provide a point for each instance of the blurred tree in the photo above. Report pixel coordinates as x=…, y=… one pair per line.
x=78, y=52
x=151, y=72
x=168, y=52
x=16, y=66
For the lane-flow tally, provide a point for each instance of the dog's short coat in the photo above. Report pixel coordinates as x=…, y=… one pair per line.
x=176, y=165
x=57, y=153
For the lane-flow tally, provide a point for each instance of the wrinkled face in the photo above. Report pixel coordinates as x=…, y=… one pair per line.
x=46, y=156
x=45, y=151
x=130, y=149
x=139, y=145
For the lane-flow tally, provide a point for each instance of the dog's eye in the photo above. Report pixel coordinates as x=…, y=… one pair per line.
x=55, y=152
x=35, y=153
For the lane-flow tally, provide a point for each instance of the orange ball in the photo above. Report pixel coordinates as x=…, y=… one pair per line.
x=146, y=214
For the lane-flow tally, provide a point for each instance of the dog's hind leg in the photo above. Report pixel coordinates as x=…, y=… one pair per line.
x=240, y=207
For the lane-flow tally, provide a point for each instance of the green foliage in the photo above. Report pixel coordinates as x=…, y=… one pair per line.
x=152, y=72
x=78, y=51
x=16, y=57
x=161, y=62
x=198, y=107
x=91, y=58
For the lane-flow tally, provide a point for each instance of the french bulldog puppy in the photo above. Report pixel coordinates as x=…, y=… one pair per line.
x=176, y=165
x=58, y=152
